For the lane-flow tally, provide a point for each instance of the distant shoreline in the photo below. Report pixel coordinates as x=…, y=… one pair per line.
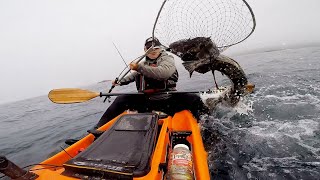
x=104, y=81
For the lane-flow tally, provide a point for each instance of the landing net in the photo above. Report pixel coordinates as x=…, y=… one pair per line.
x=226, y=22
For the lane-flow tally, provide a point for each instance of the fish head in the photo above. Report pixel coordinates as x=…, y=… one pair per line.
x=194, y=49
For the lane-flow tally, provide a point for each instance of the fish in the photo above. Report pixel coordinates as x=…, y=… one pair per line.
x=195, y=49
x=201, y=54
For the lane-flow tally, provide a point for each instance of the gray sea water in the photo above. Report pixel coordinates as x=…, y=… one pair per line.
x=272, y=134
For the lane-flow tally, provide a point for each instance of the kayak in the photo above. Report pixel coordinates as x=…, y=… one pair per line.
x=131, y=146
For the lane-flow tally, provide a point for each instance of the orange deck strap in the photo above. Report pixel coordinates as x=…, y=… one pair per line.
x=183, y=121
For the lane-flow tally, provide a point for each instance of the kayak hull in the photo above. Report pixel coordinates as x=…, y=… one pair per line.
x=181, y=121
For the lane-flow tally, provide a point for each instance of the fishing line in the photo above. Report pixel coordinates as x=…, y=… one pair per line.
x=66, y=152
x=122, y=60
x=120, y=54
x=127, y=66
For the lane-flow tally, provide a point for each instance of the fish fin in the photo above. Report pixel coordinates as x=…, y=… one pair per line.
x=190, y=73
x=249, y=88
x=189, y=66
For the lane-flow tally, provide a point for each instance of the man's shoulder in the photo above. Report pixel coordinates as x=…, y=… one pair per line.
x=165, y=53
x=166, y=57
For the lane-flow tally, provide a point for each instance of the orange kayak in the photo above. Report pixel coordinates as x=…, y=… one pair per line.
x=131, y=146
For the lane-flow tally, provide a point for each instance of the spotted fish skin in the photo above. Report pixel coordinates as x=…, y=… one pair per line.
x=195, y=49
x=200, y=54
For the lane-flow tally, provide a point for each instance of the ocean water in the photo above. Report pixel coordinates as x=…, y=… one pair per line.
x=273, y=133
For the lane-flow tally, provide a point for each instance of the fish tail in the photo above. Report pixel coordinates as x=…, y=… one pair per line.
x=190, y=66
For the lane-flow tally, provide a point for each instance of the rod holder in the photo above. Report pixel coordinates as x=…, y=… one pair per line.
x=13, y=171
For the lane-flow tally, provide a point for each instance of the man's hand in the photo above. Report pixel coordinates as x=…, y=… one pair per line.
x=134, y=66
x=115, y=83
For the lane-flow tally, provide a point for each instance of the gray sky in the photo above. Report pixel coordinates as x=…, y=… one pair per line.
x=47, y=44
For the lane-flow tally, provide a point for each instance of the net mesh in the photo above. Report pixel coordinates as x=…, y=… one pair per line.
x=226, y=22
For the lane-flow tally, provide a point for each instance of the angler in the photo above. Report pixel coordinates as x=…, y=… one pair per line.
x=157, y=73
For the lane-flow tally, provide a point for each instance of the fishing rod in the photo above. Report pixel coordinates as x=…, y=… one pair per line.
x=121, y=57
x=153, y=44
x=121, y=71
x=118, y=79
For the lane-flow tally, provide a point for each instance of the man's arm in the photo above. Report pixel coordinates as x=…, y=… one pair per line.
x=129, y=78
x=163, y=71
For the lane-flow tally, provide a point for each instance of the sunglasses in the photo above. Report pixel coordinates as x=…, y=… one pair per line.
x=149, y=44
x=154, y=48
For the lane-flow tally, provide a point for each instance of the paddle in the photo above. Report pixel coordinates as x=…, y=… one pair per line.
x=74, y=95
x=71, y=95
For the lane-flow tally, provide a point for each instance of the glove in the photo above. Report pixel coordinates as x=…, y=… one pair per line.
x=134, y=66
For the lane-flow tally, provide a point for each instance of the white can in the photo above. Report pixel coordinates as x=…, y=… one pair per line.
x=180, y=163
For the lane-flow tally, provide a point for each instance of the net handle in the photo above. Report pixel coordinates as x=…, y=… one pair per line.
x=157, y=18
x=253, y=28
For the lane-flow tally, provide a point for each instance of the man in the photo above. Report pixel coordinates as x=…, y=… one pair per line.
x=157, y=73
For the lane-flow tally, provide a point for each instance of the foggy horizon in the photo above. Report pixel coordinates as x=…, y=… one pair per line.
x=50, y=44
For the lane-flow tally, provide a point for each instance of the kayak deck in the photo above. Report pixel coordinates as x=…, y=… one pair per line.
x=181, y=122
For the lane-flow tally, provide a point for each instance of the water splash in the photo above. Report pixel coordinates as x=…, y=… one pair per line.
x=249, y=141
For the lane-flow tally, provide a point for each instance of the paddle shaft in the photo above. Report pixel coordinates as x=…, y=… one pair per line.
x=140, y=93
x=74, y=95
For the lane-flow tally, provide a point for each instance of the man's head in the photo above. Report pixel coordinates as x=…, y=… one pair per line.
x=155, y=53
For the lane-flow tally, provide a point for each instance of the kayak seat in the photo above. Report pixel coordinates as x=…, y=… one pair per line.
x=122, y=152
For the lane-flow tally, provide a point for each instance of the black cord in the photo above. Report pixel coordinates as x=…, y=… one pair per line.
x=214, y=77
x=52, y=166
x=42, y=165
x=66, y=152
x=44, y=168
